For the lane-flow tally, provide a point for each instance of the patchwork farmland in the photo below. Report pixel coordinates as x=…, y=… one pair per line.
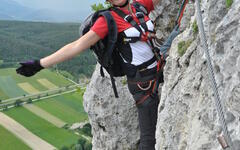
x=44, y=106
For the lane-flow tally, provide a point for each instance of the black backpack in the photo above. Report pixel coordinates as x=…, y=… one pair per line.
x=105, y=49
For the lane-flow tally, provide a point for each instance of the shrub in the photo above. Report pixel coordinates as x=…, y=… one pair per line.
x=66, y=126
x=84, y=144
x=18, y=103
x=5, y=107
x=78, y=147
x=195, y=27
x=229, y=3
x=87, y=146
x=64, y=148
x=183, y=46
x=124, y=81
x=29, y=101
x=87, y=129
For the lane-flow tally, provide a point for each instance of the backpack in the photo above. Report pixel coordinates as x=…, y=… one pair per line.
x=105, y=50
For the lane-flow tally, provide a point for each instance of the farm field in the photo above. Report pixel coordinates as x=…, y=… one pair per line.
x=9, y=87
x=67, y=107
x=48, y=118
x=57, y=137
x=7, y=140
x=10, y=82
x=33, y=141
x=51, y=76
x=3, y=95
x=45, y=115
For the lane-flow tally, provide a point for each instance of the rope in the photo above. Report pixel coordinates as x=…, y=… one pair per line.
x=181, y=11
x=212, y=77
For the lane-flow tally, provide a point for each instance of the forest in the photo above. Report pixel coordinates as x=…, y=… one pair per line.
x=21, y=41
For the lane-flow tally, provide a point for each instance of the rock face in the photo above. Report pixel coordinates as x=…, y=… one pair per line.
x=114, y=120
x=187, y=116
x=187, y=113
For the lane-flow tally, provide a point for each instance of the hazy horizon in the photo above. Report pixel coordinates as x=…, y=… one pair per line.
x=44, y=10
x=60, y=5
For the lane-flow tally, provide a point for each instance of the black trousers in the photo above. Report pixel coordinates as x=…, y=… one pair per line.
x=140, y=86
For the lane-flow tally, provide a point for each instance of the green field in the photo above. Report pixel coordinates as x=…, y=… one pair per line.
x=3, y=95
x=67, y=107
x=9, y=80
x=51, y=76
x=9, y=87
x=58, y=137
x=10, y=142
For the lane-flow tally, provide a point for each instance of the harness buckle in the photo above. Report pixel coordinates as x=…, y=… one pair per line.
x=140, y=15
x=128, y=18
x=126, y=40
x=143, y=69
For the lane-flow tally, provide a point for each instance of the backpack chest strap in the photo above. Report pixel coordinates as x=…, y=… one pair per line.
x=144, y=35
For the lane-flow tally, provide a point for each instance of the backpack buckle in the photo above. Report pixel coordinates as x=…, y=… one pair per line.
x=140, y=15
x=127, y=40
x=143, y=69
x=128, y=18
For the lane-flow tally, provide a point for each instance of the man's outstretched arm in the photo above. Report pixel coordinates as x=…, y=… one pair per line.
x=70, y=50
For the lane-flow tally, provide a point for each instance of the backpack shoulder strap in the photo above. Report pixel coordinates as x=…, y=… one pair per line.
x=140, y=8
x=127, y=18
x=112, y=34
x=141, y=11
x=111, y=40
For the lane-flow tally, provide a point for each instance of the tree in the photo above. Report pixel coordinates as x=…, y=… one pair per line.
x=5, y=107
x=87, y=146
x=100, y=6
x=79, y=147
x=29, y=101
x=81, y=141
x=87, y=130
x=18, y=103
x=64, y=148
x=1, y=62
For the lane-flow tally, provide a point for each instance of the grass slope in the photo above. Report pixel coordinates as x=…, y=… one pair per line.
x=10, y=142
x=58, y=137
x=67, y=107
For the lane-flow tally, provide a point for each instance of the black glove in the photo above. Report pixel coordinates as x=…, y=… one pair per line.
x=29, y=68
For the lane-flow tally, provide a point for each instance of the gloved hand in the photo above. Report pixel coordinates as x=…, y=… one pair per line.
x=29, y=68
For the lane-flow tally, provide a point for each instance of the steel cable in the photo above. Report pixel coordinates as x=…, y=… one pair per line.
x=218, y=103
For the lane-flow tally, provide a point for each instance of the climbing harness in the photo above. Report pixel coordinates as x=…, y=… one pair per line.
x=165, y=47
x=213, y=82
x=159, y=52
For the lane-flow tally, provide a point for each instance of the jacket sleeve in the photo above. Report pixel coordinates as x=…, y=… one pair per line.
x=100, y=27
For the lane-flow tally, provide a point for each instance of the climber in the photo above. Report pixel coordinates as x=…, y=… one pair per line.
x=141, y=60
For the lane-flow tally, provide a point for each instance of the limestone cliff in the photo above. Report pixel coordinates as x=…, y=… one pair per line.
x=187, y=118
x=187, y=113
